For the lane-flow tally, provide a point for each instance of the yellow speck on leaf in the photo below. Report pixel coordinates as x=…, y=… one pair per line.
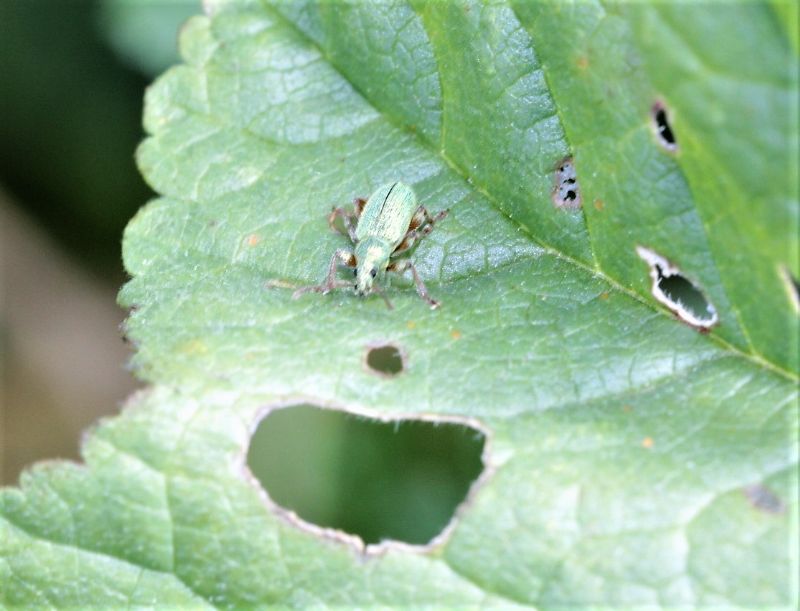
x=253, y=239
x=647, y=442
x=455, y=334
x=194, y=346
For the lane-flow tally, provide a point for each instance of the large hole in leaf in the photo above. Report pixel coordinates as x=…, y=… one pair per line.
x=400, y=480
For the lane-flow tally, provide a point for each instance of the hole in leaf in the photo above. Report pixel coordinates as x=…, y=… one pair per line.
x=566, y=190
x=386, y=360
x=366, y=480
x=677, y=292
x=792, y=287
x=662, y=127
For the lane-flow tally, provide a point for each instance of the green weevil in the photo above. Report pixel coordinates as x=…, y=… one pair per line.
x=381, y=228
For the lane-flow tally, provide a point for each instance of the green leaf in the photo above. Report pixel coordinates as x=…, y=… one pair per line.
x=633, y=460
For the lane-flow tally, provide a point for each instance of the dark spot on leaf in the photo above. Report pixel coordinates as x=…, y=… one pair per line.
x=566, y=190
x=677, y=292
x=680, y=290
x=386, y=360
x=662, y=127
x=763, y=499
x=364, y=480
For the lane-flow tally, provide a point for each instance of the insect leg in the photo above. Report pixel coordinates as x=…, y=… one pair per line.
x=401, y=267
x=340, y=257
x=423, y=218
x=348, y=218
x=358, y=206
x=430, y=221
x=408, y=242
x=421, y=225
x=418, y=218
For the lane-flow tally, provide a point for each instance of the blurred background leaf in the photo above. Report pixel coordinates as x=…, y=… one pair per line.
x=144, y=32
x=71, y=117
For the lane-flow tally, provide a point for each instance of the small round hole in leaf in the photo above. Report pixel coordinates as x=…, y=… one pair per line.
x=378, y=480
x=386, y=360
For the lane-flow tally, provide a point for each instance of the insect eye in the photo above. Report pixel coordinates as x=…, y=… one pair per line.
x=355, y=271
x=355, y=286
x=374, y=272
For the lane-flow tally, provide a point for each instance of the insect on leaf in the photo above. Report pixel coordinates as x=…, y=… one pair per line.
x=623, y=446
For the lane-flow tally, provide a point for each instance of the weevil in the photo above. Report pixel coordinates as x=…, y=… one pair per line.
x=381, y=228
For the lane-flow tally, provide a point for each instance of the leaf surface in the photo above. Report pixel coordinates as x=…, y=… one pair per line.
x=630, y=454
